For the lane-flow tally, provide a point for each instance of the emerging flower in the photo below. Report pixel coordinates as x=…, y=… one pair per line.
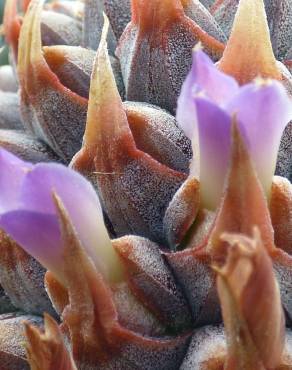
x=208, y=103
x=29, y=216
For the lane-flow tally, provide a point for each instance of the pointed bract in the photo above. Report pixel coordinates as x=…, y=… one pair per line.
x=112, y=161
x=97, y=338
x=248, y=53
x=243, y=205
x=61, y=127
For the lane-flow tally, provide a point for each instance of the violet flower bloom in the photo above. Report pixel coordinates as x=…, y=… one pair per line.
x=208, y=103
x=28, y=214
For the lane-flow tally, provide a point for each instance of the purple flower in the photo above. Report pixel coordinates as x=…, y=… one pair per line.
x=208, y=103
x=28, y=213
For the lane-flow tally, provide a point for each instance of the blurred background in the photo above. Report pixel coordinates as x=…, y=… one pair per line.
x=4, y=52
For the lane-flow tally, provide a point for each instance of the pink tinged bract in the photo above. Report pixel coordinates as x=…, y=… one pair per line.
x=208, y=103
x=28, y=213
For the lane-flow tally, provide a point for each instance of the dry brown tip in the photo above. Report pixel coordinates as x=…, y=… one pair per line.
x=251, y=305
x=46, y=350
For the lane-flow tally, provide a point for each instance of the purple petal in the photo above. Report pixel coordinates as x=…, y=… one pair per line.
x=214, y=126
x=218, y=86
x=186, y=116
x=186, y=113
x=206, y=80
x=12, y=172
x=263, y=110
x=80, y=201
x=38, y=234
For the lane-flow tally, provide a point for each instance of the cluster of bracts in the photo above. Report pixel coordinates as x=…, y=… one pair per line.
x=159, y=237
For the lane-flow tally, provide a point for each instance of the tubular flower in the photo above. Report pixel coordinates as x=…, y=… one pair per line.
x=259, y=45
x=243, y=205
x=55, y=215
x=27, y=203
x=210, y=100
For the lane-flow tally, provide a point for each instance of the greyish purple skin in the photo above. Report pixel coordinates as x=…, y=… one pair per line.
x=207, y=3
x=92, y=26
x=205, y=20
x=75, y=72
x=9, y=111
x=60, y=29
x=119, y=13
x=161, y=57
x=26, y=147
x=8, y=81
x=12, y=351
